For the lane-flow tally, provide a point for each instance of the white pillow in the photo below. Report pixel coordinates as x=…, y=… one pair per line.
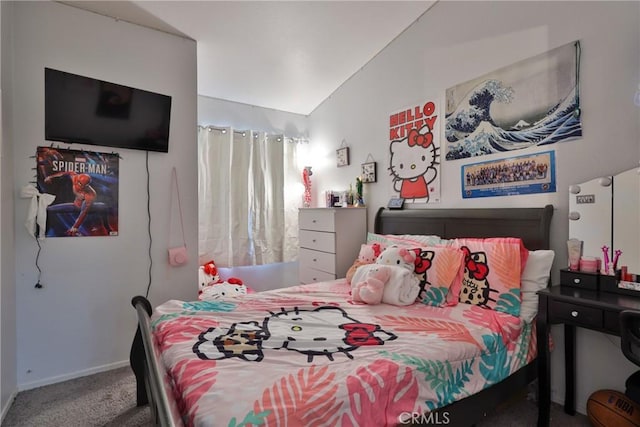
x=427, y=240
x=535, y=277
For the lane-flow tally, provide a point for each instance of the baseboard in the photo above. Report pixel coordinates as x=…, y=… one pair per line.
x=72, y=376
x=7, y=406
x=559, y=399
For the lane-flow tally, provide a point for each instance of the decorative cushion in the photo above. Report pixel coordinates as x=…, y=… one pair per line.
x=438, y=268
x=492, y=270
x=535, y=277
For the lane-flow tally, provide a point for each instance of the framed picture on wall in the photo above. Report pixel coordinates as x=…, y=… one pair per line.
x=342, y=155
x=369, y=172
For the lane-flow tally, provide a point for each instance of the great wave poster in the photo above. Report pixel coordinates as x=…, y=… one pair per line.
x=534, y=102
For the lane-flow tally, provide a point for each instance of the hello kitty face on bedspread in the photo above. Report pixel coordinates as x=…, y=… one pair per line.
x=324, y=331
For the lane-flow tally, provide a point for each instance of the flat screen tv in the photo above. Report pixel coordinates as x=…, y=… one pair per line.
x=84, y=110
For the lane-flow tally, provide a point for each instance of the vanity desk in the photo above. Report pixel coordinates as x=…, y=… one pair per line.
x=604, y=213
x=574, y=305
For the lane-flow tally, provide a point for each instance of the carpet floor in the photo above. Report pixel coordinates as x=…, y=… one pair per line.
x=108, y=399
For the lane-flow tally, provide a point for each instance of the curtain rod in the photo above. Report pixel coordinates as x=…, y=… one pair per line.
x=255, y=133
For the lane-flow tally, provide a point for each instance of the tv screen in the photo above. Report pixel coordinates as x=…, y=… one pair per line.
x=88, y=111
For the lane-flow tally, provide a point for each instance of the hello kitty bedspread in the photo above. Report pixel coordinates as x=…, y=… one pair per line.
x=307, y=355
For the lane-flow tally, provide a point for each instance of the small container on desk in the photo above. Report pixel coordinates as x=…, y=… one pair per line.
x=579, y=279
x=614, y=284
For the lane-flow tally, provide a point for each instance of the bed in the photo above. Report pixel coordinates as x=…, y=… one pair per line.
x=241, y=362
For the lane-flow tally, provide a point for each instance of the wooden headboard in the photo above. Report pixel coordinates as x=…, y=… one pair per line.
x=529, y=224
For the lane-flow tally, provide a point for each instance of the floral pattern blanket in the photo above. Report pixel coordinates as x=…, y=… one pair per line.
x=308, y=355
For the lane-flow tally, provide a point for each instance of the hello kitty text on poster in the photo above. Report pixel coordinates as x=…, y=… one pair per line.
x=414, y=148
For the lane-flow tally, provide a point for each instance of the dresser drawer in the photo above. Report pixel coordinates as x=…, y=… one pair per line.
x=318, y=240
x=319, y=260
x=577, y=279
x=317, y=219
x=587, y=317
x=311, y=275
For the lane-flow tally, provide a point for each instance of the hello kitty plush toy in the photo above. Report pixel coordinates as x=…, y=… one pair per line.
x=207, y=275
x=400, y=257
x=369, y=253
x=371, y=289
x=400, y=288
x=211, y=286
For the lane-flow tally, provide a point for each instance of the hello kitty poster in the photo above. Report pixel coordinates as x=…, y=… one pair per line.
x=414, y=148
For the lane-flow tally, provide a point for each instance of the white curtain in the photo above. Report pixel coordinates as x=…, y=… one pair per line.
x=244, y=178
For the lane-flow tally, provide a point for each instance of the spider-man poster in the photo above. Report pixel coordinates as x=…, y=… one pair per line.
x=85, y=184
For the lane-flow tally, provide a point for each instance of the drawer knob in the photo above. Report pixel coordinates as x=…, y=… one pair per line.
x=574, y=313
x=314, y=240
x=314, y=221
x=314, y=260
x=576, y=281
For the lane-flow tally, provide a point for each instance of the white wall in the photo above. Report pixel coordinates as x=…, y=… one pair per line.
x=8, y=380
x=457, y=41
x=218, y=112
x=82, y=320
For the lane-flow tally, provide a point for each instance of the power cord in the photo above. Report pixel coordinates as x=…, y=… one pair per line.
x=149, y=225
x=38, y=284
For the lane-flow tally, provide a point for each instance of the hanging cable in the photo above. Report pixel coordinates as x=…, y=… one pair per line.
x=38, y=284
x=149, y=225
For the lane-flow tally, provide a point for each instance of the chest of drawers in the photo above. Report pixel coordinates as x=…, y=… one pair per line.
x=330, y=240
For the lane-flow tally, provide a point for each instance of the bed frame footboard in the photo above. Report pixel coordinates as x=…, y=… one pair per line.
x=152, y=384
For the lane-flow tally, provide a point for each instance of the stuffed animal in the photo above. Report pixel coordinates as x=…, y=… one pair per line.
x=400, y=257
x=223, y=290
x=207, y=275
x=368, y=255
x=370, y=289
x=352, y=270
x=211, y=286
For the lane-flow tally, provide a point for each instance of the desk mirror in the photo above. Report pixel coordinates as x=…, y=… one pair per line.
x=606, y=211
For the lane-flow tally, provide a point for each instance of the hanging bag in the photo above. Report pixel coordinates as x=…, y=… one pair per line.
x=177, y=255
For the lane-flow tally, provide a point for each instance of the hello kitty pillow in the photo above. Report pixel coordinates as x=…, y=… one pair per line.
x=438, y=268
x=492, y=270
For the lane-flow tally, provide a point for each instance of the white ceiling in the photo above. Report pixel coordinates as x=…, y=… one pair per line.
x=285, y=55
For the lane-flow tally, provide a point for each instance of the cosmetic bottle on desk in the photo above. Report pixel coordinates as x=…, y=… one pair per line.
x=622, y=283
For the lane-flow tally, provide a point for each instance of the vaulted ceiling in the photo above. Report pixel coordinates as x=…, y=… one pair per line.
x=285, y=55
